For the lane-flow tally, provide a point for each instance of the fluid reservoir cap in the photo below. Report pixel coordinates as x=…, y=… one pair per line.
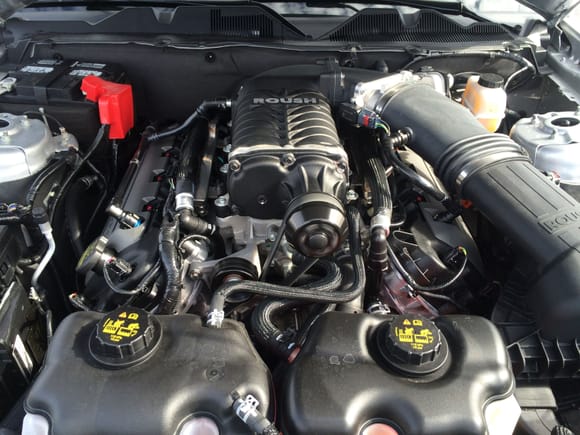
x=490, y=80
x=125, y=337
x=412, y=344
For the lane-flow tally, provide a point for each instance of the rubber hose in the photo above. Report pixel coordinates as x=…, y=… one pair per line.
x=402, y=168
x=66, y=183
x=71, y=206
x=10, y=219
x=263, y=326
x=170, y=261
x=265, y=330
x=380, y=191
x=200, y=112
x=41, y=179
x=191, y=224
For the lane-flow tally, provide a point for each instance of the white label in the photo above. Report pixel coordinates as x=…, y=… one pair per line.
x=85, y=73
x=37, y=69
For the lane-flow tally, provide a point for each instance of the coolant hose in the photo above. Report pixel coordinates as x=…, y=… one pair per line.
x=191, y=224
x=263, y=326
x=170, y=261
x=200, y=112
x=491, y=171
x=265, y=330
x=72, y=201
x=321, y=291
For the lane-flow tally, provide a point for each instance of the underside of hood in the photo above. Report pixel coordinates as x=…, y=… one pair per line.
x=8, y=7
x=553, y=10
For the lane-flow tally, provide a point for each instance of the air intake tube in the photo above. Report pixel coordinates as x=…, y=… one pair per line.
x=491, y=171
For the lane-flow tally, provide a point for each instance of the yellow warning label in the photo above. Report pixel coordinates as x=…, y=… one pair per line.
x=131, y=316
x=121, y=328
x=406, y=322
x=417, y=339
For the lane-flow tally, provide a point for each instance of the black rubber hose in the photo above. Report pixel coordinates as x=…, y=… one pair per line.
x=191, y=224
x=263, y=326
x=184, y=169
x=265, y=330
x=10, y=219
x=378, y=254
x=72, y=203
x=170, y=261
x=391, y=156
x=41, y=179
x=65, y=185
x=380, y=191
x=200, y=112
x=321, y=291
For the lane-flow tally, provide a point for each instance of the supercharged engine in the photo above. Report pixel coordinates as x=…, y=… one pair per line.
x=330, y=250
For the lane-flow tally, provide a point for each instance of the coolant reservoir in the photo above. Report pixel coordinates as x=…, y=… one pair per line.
x=485, y=97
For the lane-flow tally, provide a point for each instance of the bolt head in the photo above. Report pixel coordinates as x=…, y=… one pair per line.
x=221, y=201
x=288, y=160
x=341, y=167
x=235, y=166
x=351, y=195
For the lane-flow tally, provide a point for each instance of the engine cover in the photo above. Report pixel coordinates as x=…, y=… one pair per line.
x=284, y=144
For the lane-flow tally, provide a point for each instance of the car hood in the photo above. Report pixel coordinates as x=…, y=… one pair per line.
x=550, y=9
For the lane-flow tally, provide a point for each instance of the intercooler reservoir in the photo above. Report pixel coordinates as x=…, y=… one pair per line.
x=129, y=372
x=405, y=373
x=485, y=97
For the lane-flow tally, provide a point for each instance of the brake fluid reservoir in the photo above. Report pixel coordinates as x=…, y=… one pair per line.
x=485, y=97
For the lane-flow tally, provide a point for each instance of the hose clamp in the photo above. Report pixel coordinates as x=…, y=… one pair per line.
x=184, y=201
x=382, y=219
x=215, y=318
x=247, y=407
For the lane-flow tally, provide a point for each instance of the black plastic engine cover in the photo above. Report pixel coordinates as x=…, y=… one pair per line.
x=284, y=143
x=193, y=372
x=338, y=383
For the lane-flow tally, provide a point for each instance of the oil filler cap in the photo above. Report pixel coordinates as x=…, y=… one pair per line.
x=125, y=337
x=412, y=345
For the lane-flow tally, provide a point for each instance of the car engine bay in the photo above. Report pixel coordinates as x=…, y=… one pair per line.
x=251, y=239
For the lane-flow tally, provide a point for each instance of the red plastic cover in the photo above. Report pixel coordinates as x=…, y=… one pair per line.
x=115, y=104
